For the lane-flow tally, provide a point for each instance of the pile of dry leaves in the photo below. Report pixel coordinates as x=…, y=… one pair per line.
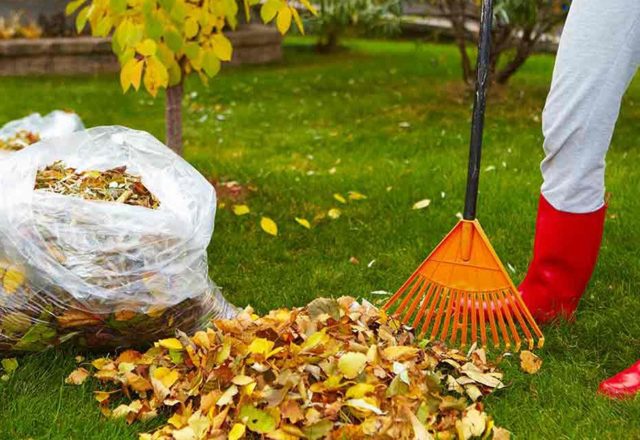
x=19, y=141
x=335, y=369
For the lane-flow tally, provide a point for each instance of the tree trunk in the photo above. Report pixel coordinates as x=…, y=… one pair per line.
x=328, y=43
x=173, y=118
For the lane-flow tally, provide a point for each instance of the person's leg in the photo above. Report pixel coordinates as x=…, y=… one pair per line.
x=598, y=56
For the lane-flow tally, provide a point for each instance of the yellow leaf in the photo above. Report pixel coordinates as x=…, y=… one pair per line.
x=170, y=344
x=165, y=375
x=269, y=226
x=101, y=396
x=314, y=340
x=352, y=364
x=191, y=27
x=100, y=363
x=334, y=213
x=283, y=22
x=240, y=209
x=241, y=380
x=529, y=362
x=73, y=6
x=296, y=18
x=400, y=352
x=260, y=346
x=359, y=390
x=13, y=279
x=237, y=431
x=339, y=198
x=201, y=339
x=307, y=4
x=303, y=222
x=82, y=17
x=155, y=75
x=269, y=10
x=147, y=47
x=355, y=195
x=77, y=377
x=222, y=47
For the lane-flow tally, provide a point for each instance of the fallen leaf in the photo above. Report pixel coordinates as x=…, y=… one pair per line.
x=257, y=420
x=529, y=362
x=501, y=434
x=269, y=226
x=303, y=222
x=334, y=213
x=237, y=432
x=170, y=344
x=227, y=396
x=339, y=198
x=240, y=209
x=363, y=405
x=352, y=364
x=400, y=353
x=355, y=195
x=421, y=204
x=77, y=376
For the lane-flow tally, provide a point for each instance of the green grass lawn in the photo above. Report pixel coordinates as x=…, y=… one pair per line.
x=390, y=120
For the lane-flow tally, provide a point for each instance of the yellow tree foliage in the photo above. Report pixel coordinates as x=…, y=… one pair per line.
x=158, y=42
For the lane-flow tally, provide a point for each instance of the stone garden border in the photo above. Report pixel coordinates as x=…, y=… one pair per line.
x=253, y=44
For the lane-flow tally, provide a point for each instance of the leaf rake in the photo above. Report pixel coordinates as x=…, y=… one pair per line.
x=462, y=291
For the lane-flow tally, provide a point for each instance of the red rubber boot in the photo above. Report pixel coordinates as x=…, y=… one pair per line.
x=565, y=252
x=624, y=384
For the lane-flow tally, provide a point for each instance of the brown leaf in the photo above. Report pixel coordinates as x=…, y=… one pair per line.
x=77, y=376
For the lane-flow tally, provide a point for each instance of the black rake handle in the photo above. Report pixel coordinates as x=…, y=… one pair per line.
x=479, y=105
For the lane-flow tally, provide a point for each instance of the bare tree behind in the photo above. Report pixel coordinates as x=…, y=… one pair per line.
x=519, y=26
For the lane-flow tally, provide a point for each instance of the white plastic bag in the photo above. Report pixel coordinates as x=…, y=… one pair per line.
x=107, y=274
x=57, y=123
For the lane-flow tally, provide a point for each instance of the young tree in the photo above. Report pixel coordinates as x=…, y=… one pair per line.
x=519, y=25
x=159, y=42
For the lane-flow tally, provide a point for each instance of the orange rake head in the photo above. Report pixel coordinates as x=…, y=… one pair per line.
x=461, y=289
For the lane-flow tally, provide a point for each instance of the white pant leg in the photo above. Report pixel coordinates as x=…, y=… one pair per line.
x=598, y=56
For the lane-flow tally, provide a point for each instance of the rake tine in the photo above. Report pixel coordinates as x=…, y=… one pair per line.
x=447, y=318
x=530, y=320
x=445, y=293
x=474, y=324
x=501, y=323
x=427, y=321
x=483, y=328
x=492, y=323
x=407, y=298
x=523, y=325
x=399, y=292
x=416, y=301
x=512, y=326
x=456, y=317
x=465, y=320
x=424, y=305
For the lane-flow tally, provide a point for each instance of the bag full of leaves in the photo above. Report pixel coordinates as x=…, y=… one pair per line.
x=103, y=238
x=20, y=133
